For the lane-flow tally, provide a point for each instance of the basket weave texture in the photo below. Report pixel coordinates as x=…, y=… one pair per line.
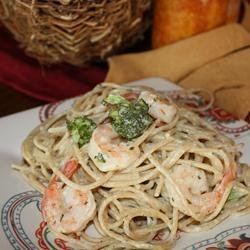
x=75, y=31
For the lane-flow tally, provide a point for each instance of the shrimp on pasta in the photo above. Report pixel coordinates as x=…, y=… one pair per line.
x=107, y=150
x=64, y=208
x=194, y=185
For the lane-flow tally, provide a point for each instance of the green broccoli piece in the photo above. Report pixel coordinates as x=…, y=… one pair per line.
x=129, y=119
x=236, y=193
x=81, y=129
x=116, y=100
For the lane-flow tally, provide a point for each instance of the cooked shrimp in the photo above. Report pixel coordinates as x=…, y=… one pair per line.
x=193, y=184
x=130, y=96
x=107, y=150
x=159, y=108
x=67, y=210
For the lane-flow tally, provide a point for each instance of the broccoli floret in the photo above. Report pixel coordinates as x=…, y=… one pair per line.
x=236, y=193
x=81, y=129
x=129, y=119
x=116, y=100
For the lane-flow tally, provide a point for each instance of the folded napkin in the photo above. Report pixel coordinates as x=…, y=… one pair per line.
x=216, y=60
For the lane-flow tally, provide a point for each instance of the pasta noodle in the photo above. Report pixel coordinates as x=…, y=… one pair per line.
x=178, y=175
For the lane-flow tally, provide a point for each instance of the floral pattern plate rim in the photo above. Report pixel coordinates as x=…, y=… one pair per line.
x=21, y=223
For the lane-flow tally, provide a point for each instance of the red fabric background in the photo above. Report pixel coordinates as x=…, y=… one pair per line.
x=47, y=83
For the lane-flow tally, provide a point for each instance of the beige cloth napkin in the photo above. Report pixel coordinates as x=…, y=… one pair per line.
x=216, y=60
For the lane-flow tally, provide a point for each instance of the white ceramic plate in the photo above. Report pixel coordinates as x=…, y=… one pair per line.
x=21, y=222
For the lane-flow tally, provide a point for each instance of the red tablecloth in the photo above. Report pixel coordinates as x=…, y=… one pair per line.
x=51, y=83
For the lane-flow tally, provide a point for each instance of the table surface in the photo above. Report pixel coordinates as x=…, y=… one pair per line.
x=12, y=101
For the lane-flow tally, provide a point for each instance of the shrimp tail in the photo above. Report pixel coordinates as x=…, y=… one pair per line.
x=228, y=177
x=70, y=168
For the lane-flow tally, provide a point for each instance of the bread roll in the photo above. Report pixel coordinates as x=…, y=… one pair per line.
x=178, y=19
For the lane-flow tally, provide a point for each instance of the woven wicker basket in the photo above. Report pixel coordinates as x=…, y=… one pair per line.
x=75, y=31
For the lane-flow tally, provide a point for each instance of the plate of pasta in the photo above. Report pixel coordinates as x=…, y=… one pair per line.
x=144, y=165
